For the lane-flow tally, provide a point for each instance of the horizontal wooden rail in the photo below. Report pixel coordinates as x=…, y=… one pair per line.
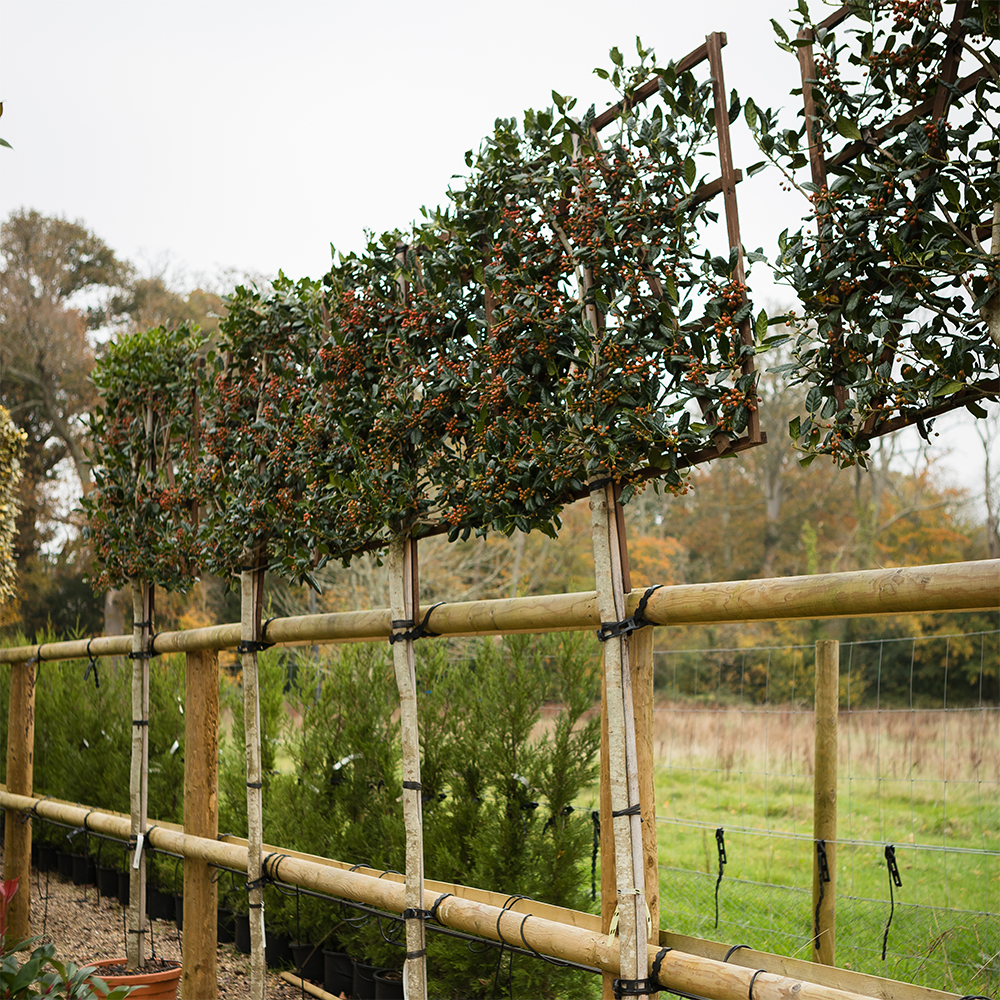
x=581, y=942
x=960, y=586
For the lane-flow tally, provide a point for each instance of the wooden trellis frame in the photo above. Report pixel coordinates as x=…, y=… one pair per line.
x=820, y=163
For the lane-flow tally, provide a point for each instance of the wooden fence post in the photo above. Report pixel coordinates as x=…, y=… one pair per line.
x=201, y=819
x=20, y=774
x=825, y=801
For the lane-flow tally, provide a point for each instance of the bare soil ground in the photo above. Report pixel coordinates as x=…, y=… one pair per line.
x=85, y=928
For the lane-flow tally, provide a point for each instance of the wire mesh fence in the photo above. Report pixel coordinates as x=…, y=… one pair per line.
x=918, y=752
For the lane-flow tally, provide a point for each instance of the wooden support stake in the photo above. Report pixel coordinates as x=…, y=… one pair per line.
x=20, y=775
x=825, y=800
x=641, y=666
x=622, y=762
x=251, y=600
x=201, y=819
x=142, y=621
x=404, y=604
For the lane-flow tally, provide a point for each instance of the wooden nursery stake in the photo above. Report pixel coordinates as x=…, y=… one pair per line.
x=201, y=819
x=825, y=802
x=404, y=605
x=251, y=602
x=142, y=627
x=20, y=776
x=622, y=757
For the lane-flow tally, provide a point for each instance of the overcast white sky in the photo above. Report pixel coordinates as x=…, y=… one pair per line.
x=251, y=135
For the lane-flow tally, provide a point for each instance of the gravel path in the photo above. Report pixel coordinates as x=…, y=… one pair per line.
x=85, y=928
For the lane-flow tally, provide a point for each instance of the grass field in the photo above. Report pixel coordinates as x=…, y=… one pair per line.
x=925, y=781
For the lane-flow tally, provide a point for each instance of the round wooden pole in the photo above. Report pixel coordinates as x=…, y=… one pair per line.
x=968, y=586
x=201, y=819
x=824, y=894
x=20, y=775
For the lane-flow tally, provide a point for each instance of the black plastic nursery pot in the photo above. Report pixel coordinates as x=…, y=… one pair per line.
x=308, y=960
x=107, y=881
x=389, y=984
x=338, y=972
x=363, y=987
x=179, y=910
x=84, y=870
x=159, y=905
x=64, y=860
x=124, y=893
x=242, y=933
x=276, y=950
x=47, y=860
x=226, y=927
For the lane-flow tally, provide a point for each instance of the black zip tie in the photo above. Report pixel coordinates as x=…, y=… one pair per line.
x=824, y=877
x=614, y=630
x=894, y=880
x=753, y=979
x=255, y=784
x=140, y=722
x=255, y=906
x=732, y=951
x=250, y=646
x=92, y=665
x=720, y=840
x=595, y=819
x=635, y=810
x=634, y=987
x=416, y=954
x=437, y=903
x=415, y=632
x=412, y=913
x=413, y=786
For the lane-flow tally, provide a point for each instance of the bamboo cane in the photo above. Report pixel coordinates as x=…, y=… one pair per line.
x=142, y=616
x=251, y=597
x=404, y=600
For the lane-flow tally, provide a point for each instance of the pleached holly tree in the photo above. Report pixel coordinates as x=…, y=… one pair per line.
x=143, y=512
x=610, y=332
x=897, y=266
x=269, y=435
x=396, y=377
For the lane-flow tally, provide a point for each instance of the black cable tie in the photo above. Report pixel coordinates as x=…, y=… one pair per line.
x=143, y=931
x=654, y=972
x=413, y=786
x=635, y=987
x=255, y=906
x=823, y=867
x=615, y=630
x=720, y=841
x=635, y=810
x=140, y=722
x=415, y=632
x=258, y=883
x=92, y=665
x=410, y=913
x=894, y=880
x=732, y=951
x=250, y=646
x=416, y=954
x=753, y=979
x=437, y=903
x=255, y=784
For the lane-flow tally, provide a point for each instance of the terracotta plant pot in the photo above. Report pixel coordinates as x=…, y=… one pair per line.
x=157, y=985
